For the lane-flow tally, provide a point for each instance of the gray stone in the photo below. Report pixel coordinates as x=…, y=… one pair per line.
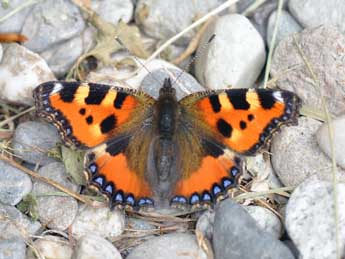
x=139, y=224
x=51, y=22
x=312, y=13
x=13, y=248
x=53, y=247
x=100, y=221
x=327, y=61
x=14, y=184
x=62, y=56
x=236, y=235
x=266, y=220
x=32, y=141
x=1, y=53
x=310, y=219
x=205, y=224
x=287, y=26
x=296, y=155
x=169, y=246
x=113, y=10
x=16, y=21
x=323, y=140
x=163, y=19
x=57, y=212
x=14, y=224
x=21, y=65
x=230, y=59
x=95, y=247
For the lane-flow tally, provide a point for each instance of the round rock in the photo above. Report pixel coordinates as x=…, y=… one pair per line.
x=95, y=247
x=13, y=248
x=113, y=10
x=323, y=140
x=230, y=58
x=296, y=155
x=51, y=22
x=14, y=184
x=100, y=221
x=57, y=212
x=323, y=47
x=236, y=235
x=266, y=220
x=168, y=246
x=312, y=13
x=53, y=247
x=310, y=219
x=21, y=65
x=287, y=26
x=32, y=141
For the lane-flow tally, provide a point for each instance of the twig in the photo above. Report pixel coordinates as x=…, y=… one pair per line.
x=4, y=122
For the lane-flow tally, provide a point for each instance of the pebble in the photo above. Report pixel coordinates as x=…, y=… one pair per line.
x=13, y=248
x=113, y=10
x=99, y=221
x=50, y=246
x=172, y=245
x=324, y=47
x=312, y=13
x=310, y=219
x=1, y=53
x=287, y=26
x=14, y=224
x=323, y=140
x=15, y=22
x=266, y=220
x=230, y=59
x=52, y=22
x=62, y=56
x=236, y=235
x=95, y=247
x=162, y=19
x=57, y=212
x=14, y=184
x=32, y=147
x=205, y=224
x=27, y=68
x=296, y=155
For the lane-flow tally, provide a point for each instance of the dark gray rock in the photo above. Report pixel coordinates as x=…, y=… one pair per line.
x=236, y=235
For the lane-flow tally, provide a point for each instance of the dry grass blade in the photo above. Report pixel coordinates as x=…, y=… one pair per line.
x=18, y=9
x=4, y=122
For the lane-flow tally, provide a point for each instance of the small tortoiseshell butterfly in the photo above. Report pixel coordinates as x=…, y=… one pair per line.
x=145, y=152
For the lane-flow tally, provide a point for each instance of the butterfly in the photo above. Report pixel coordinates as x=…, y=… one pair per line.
x=144, y=152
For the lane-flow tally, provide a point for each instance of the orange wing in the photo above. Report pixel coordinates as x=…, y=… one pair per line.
x=243, y=119
x=88, y=114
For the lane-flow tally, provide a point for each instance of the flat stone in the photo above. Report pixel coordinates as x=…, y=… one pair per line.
x=21, y=65
x=287, y=26
x=169, y=246
x=296, y=155
x=14, y=224
x=323, y=140
x=313, y=13
x=15, y=22
x=14, y=184
x=99, y=221
x=230, y=60
x=236, y=235
x=163, y=19
x=310, y=219
x=113, y=10
x=54, y=247
x=51, y=22
x=13, y=248
x=32, y=141
x=266, y=220
x=95, y=247
x=57, y=212
x=324, y=49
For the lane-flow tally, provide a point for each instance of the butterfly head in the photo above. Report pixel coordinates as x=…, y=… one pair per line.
x=167, y=90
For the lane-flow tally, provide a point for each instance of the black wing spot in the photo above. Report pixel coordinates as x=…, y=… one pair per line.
x=68, y=91
x=215, y=104
x=116, y=146
x=82, y=111
x=89, y=119
x=243, y=125
x=108, y=124
x=224, y=128
x=238, y=98
x=96, y=93
x=267, y=100
x=120, y=98
x=250, y=117
x=213, y=148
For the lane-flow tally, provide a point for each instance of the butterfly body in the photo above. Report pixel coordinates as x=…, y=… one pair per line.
x=144, y=152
